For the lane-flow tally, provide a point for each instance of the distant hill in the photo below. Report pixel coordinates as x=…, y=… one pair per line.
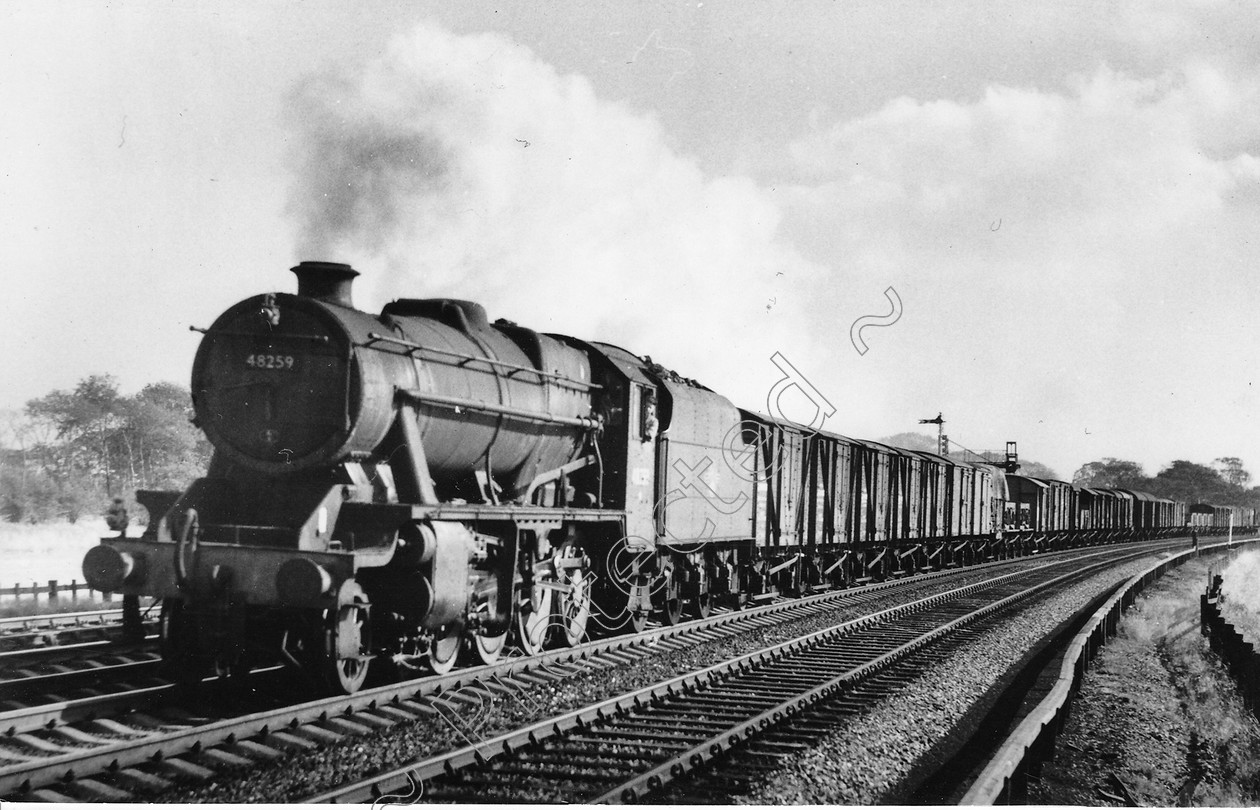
x=923, y=442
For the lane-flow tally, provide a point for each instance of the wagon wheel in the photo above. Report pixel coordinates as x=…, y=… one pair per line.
x=534, y=606
x=348, y=639
x=700, y=605
x=671, y=605
x=443, y=651
x=574, y=596
x=487, y=649
x=637, y=622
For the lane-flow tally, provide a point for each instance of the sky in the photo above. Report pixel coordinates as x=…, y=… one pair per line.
x=1062, y=198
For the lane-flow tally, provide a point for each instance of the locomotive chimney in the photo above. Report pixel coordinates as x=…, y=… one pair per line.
x=326, y=281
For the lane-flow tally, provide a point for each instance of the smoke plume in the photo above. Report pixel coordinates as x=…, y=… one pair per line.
x=464, y=166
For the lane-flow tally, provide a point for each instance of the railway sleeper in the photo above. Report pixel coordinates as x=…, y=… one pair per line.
x=616, y=759
x=737, y=693
x=184, y=771
x=220, y=760
x=743, y=706
x=93, y=791
x=346, y=726
x=631, y=755
x=570, y=771
x=645, y=729
x=703, y=714
x=633, y=739
x=139, y=782
x=254, y=750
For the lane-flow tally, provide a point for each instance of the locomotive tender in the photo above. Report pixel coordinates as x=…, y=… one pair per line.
x=421, y=486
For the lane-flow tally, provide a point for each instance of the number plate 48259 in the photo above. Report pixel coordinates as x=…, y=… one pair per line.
x=280, y=361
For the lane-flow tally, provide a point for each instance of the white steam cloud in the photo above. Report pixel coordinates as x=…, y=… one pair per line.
x=463, y=166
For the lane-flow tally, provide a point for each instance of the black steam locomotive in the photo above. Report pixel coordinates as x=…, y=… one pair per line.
x=421, y=486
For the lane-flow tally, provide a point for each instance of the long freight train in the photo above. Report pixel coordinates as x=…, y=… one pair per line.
x=420, y=487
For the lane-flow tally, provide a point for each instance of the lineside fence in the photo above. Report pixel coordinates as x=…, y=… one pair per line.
x=52, y=593
x=1240, y=655
x=1005, y=779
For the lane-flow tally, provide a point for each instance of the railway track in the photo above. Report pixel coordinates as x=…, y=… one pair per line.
x=118, y=747
x=52, y=630
x=737, y=714
x=96, y=659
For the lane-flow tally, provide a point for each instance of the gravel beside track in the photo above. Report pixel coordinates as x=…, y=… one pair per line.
x=480, y=716
x=1159, y=712
x=867, y=760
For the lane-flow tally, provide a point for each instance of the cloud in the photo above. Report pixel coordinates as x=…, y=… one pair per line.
x=464, y=166
x=1166, y=149
x=1079, y=249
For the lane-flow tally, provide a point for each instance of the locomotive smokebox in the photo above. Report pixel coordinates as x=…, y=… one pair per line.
x=326, y=281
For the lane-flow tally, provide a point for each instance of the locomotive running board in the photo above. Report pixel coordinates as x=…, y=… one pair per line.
x=515, y=512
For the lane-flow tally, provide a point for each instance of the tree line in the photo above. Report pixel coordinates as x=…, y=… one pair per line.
x=67, y=454
x=1223, y=483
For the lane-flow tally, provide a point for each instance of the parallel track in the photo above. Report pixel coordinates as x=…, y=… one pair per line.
x=79, y=738
x=59, y=630
x=624, y=748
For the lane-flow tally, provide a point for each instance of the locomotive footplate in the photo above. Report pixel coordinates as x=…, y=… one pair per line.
x=516, y=514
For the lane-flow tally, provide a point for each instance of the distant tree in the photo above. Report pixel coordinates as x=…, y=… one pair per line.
x=28, y=497
x=922, y=442
x=161, y=447
x=1111, y=473
x=69, y=452
x=911, y=441
x=85, y=421
x=1193, y=483
x=1231, y=469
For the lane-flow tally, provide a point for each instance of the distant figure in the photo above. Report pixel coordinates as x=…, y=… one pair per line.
x=116, y=517
x=1215, y=591
x=1194, y=538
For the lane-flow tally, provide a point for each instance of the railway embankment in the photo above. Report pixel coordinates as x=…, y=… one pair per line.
x=1159, y=718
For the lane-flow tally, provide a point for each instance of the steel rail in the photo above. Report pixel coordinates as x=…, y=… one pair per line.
x=21, y=634
x=118, y=672
x=52, y=619
x=406, y=699
x=11, y=660
x=404, y=781
x=1037, y=731
x=717, y=745
x=65, y=712
x=116, y=754
x=120, y=754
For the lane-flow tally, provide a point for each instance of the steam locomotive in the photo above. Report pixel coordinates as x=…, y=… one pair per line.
x=422, y=487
